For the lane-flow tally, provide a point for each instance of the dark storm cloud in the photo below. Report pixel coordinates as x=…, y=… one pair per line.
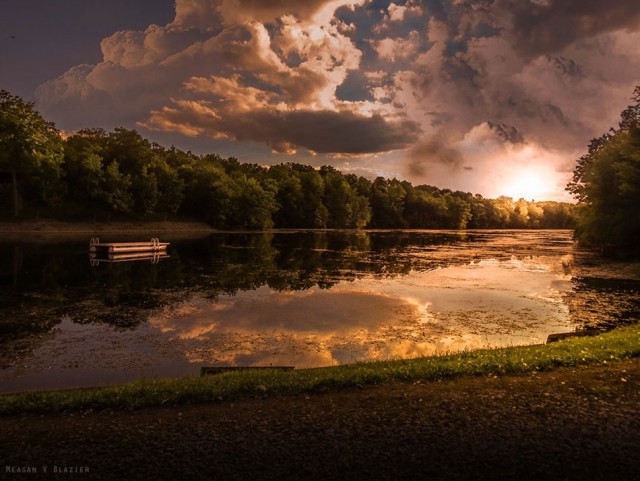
x=506, y=133
x=344, y=132
x=549, y=26
x=318, y=131
x=430, y=152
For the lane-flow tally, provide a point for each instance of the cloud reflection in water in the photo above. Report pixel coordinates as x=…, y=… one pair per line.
x=486, y=303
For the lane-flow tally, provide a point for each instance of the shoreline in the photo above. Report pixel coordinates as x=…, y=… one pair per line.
x=66, y=227
x=573, y=423
x=48, y=231
x=610, y=347
x=61, y=227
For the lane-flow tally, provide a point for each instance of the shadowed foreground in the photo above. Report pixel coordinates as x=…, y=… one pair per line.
x=570, y=423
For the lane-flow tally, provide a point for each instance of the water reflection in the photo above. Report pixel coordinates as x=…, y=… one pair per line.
x=423, y=312
x=96, y=259
x=295, y=298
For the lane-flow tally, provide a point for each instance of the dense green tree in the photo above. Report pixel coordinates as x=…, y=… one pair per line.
x=338, y=198
x=345, y=207
x=208, y=192
x=606, y=183
x=424, y=209
x=253, y=205
x=170, y=188
x=315, y=211
x=458, y=212
x=136, y=159
x=502, y=211
x=31, y=152
x=84, y=169
x=360, y=185
x=116, y=191
x=557, y=215
x=122, y=172
x=520, y=214
x=387, y=203
x=290, y=197
x=360, y=212
x=480, y=209
x=536, y=215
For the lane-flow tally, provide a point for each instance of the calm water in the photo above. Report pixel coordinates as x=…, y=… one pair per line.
x=305, y=299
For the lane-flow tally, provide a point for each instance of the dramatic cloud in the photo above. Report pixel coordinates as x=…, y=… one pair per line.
x=547, y=26
x=321, y=131
x=457, y=93
x=478, y=72
x=260, y=71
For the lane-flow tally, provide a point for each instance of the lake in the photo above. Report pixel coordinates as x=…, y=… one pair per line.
x=299, y=298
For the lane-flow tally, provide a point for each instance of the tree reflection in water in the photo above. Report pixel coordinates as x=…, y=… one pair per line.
x=377, y=285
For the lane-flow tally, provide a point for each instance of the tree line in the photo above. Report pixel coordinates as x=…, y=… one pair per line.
x=120, y=174
x=606, y=183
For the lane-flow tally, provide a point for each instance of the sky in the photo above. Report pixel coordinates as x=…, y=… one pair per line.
x=496, y=97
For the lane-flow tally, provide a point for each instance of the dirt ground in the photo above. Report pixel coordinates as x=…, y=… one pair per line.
x=578, y=423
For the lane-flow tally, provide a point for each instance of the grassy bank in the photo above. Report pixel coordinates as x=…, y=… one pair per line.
x=618, y=344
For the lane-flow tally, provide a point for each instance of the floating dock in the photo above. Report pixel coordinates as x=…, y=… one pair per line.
x=154, y=245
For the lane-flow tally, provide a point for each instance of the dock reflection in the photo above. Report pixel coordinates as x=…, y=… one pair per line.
x=154, y=257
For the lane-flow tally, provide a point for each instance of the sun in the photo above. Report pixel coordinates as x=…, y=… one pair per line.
x=528, y=184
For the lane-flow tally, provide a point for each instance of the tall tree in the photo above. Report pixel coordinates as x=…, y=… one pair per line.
x=458, y=211
x=606, y=182
x=338, y=198
x=116, y=191
x=208, y=192
x=387, y=203
x=290, y=196
x=31, y=151
x=253, y=205
x=315, y=211
x=83, y=167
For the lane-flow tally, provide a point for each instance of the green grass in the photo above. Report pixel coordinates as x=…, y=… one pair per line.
x=621, y=343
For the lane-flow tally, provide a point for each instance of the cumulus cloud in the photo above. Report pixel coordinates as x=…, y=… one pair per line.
x=447, y=89
x=240, y=70
x=394, y=48
x=398, y=13
x=496, y=64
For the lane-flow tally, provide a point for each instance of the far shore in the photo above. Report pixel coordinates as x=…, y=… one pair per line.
x=56, y=227
x=44, y=229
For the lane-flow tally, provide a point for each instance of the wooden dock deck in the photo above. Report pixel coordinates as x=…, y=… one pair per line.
x=154, y=245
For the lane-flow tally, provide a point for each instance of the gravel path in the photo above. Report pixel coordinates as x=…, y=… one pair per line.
x=580, y=423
